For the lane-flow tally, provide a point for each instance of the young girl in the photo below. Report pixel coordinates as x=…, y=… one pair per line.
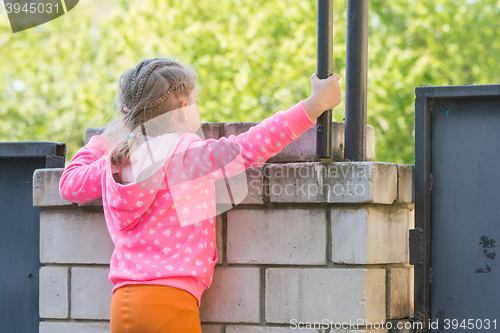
x=161, y=220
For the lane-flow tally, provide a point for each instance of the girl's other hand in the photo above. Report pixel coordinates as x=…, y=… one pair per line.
x=325, y=95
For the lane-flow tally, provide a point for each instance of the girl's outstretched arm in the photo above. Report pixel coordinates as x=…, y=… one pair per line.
x=269, y=137
x=253, y=147
x=81, y=180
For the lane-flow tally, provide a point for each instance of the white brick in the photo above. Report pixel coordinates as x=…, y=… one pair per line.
x=74, y=236
x=398, y=293
x=370, y=143
x=406, y=180
x=210, y=130
x=46, y=188
x=370, y=234
x=314, y=294
x=90, y=293
x=338, y=141
x=73, y=327
x=301, y=150
x=54, y=292
x=91, y=131
x=276, y=236
x=295, y=182
x=338, y=138
x=246, y=188
x=233, y=296
x=335, y=182
x=360, y=182
x=210, y=329
x=237, y=128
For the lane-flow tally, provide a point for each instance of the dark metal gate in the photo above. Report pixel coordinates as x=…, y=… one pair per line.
x=20, y=225
x=457, y=208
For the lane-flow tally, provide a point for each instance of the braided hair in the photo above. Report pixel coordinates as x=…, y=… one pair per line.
x=149, y=90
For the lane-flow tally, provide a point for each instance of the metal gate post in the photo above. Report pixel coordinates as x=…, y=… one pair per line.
x=324, y=69
x=356, y=79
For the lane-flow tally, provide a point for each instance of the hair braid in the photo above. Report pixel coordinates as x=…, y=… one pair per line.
x=146, y=75
x=169, y=91
x=136, y=71
x=162, y=98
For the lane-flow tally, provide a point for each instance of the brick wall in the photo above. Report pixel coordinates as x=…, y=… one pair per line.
x=312, y=241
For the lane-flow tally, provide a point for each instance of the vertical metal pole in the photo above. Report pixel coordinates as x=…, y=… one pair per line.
x=324, y=69
x=356, y=79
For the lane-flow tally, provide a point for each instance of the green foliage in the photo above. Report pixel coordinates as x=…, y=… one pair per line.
x=253, y=58
x=416, y=43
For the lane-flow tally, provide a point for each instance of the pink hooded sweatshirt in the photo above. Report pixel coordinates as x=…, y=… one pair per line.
x=163, y=225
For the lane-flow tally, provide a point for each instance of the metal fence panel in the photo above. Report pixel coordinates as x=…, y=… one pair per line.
x=457, y=194
x=19, y=239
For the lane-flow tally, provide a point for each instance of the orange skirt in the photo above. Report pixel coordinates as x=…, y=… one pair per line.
x=143, y=308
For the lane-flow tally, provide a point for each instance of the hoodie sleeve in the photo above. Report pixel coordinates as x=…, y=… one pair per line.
x=81, y=180
x=270, y=136
x=253, y=147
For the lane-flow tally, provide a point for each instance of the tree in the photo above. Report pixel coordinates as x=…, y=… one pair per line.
x=253, y=58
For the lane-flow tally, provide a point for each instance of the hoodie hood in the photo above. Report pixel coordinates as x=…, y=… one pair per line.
x=143, y=175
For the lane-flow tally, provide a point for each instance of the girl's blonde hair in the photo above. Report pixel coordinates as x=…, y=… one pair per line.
x=153, y=88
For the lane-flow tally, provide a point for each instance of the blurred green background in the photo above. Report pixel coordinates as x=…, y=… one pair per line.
x=253, y=58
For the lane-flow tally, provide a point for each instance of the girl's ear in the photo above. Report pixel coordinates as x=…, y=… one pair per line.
x=181, y=115
x=184, y=111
